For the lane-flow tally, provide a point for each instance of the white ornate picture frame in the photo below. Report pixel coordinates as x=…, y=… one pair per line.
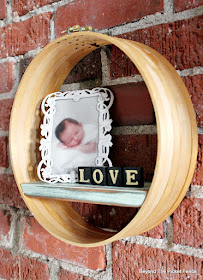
x=59, y=163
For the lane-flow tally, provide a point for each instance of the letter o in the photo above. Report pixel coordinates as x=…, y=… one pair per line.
x=94, y=176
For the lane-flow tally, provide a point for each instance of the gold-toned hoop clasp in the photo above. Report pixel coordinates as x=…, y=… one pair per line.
x=78, y=28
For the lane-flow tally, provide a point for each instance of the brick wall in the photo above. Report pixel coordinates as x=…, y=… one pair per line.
x=172, y=27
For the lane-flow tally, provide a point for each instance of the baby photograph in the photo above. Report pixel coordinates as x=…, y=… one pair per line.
x=74, y=134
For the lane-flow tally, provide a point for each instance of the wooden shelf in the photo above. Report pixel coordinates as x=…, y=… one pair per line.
x=118, y=196
x=176, y=133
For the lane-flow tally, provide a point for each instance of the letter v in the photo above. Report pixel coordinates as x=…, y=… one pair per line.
x=113, y=176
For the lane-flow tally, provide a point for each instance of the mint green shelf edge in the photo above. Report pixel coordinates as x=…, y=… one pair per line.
x=108, y=195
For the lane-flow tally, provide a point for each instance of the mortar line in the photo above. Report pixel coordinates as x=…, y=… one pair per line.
x=134, y=130
x=153, y=20
x=168, y=6
x=195, y=192
x=109, y=257
x=36, y=11
x=105, y=66
x=66, y=265
x=52, y=28
x=8, y=18
x=4, y=133
x=147, y=21
x=6, y=171
x=19, y=211
x=169, y=230
x=54, y=270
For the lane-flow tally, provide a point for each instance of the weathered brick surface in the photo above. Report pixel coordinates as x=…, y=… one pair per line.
x=33, y=269
x=9, y=193
x=188, y=228
x=3, y=153
x=181, y=5
x=112, y=217
x=5, y=223
x=179, y=42
x=5, y=111
x=2, y=9
x=66, y=275
x=6, y=76
x=198, y=174
x=129, y=259
x=104, y=14
x=22, y=7
x=194, y=85
x=88, y=68
x=104, y=216
x=9, y=265
x=132, y=105
x=135, y=150
x=18, y=267
x=22, y=37
x=157, y=232
x=37, y=239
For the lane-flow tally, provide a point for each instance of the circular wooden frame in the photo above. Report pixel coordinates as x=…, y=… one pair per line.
x=176, y=124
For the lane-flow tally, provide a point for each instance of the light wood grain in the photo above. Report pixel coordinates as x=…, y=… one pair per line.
x=177, y=135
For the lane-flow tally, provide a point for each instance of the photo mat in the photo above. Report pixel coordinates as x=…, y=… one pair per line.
x=75, y=132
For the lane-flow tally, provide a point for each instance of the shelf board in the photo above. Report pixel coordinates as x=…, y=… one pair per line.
x=108, y=195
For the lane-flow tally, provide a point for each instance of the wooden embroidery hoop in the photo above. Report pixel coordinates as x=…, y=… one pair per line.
x=176, y=125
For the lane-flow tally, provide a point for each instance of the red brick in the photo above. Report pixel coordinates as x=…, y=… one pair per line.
x=135, y=150
x=157, y=232
x=9, y=193
x=198, y=174
x=18, y=267
x=22, y=37
x=104, y=13
x=88, y=68
x=66, y=275
x=188, y=227
x=194, y=85
x=37, y=239
x=113, y=217
x=33, y=269
x=6, y=76
x=132, y=105
x=5, y=111
x=5, y=224
x=9, y=264
x=3, y=154
x=181, y=5
x=2, y=9
x=22, y=7
x=104, y=216
x=180, y=42
x=129, y=259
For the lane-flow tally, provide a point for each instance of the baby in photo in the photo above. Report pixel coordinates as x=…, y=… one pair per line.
x=77, y=136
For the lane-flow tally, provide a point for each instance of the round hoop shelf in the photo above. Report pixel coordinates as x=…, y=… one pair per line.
x=176, y=125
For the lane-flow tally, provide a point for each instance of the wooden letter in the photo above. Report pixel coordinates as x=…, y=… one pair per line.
x=84, y=175
x=99, y=176
x=130, y=175
x=114, y=176
x=94, y=176
x=133, y=177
